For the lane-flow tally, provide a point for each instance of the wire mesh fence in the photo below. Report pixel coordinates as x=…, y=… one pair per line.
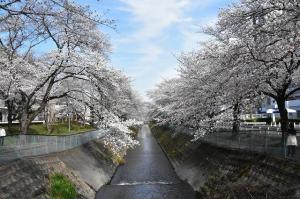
x=260, y=139
x=19, y=146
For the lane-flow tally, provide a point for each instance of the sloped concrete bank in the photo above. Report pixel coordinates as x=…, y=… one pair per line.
x=217, y=172
x=88, y=167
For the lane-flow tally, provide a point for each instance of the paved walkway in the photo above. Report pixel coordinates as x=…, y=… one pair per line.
x=147, y=174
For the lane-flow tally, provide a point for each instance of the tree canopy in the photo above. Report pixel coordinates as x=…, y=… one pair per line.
x=254, y=52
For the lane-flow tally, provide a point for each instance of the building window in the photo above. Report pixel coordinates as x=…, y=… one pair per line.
x=1, y=117
x=298, y=114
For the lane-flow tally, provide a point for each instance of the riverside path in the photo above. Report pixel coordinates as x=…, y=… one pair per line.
x=147, y=174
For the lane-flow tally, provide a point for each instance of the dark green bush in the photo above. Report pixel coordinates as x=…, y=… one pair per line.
x=61, y=187
x=297, y=121
x=267, y=120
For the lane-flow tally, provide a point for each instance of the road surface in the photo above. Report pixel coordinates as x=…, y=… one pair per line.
x=147, y=174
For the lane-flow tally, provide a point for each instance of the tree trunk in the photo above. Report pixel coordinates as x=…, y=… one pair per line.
x=9, y=121
x=9, y=106
x=284, y=121
x=25, y=122
x=92, y=116
x=236, y=120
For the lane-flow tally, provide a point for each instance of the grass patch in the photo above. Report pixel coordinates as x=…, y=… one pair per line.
x=61, y=187
x=56, y=129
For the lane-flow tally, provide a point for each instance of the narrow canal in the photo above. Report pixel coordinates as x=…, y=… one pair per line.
x=147, y=174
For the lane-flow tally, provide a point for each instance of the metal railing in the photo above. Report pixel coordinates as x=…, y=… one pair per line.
x=19, y=146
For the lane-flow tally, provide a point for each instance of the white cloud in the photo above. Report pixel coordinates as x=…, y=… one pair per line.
x=150, y=20
x=155, y=15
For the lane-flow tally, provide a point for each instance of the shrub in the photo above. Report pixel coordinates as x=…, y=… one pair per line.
x=267, y=120
x=297, y=121
x=61, y=187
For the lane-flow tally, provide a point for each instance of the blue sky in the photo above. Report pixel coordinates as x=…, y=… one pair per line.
x=151, y=33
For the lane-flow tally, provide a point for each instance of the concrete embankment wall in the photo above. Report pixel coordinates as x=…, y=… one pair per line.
x=88, y=167
x=217, y=172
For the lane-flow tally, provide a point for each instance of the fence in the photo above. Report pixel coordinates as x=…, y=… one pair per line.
x=19, y=146
x=262, y=140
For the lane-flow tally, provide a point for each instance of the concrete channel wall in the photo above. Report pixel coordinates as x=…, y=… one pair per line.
x=89, y=167
x=220, y=172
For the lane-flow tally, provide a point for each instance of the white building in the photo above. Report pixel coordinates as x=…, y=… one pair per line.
x=269, y=109
x=3, y=112
x=55, y=111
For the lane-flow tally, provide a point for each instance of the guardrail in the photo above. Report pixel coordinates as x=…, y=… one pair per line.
x=19, y=146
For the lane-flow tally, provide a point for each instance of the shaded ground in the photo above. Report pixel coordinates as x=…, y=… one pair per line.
x=147, y=173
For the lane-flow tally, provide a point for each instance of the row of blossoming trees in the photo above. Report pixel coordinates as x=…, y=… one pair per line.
x=254, y=51
x=55, y=50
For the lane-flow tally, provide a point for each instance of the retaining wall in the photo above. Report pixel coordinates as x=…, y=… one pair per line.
x=89, y=167
x=217, y=172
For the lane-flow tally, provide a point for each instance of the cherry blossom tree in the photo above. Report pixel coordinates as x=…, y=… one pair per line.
x=254, y=53
x=209, y=93
x=28, y=24
x=269, y=30
x=104, y=90
x=74, y=68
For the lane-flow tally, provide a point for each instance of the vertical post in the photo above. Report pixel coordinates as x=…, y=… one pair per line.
x=64, y=143
x=239, y=140
x=284, y=144
x=69, y=122
x=251, y=140
x=266, y=141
